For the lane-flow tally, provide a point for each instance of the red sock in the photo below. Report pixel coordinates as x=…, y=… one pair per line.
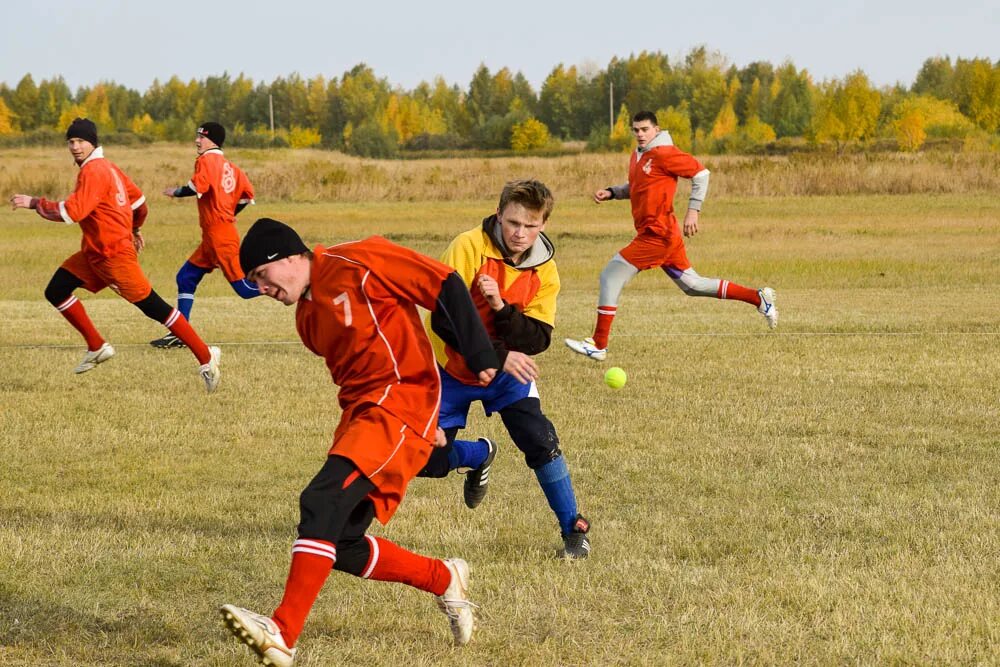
x=312, y=562
x=391, y=562
x=602, y=332
x=180, y=327
x=76, y=315
x=728, y=290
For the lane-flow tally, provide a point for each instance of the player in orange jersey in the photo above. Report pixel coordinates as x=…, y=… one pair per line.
x=653, y=171
x=110, y=210
x=223, y=190
x=356, y=306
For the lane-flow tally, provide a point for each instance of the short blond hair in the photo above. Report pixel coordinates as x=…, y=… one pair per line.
x=529, y=193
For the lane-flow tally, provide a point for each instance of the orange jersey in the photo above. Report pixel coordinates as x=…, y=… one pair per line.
x=652, y=181
x=220, y=186
x=102, y=204
x=361, y=317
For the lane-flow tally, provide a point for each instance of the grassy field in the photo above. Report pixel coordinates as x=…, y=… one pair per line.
x=822, y=494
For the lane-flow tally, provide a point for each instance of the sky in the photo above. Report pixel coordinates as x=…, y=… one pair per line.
x=133, y=42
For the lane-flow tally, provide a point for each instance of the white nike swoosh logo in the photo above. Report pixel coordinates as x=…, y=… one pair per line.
x=272, y=256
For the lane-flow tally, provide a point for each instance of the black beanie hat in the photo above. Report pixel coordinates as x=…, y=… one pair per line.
x=83, y=128
x=213, y=131
x=268, y=241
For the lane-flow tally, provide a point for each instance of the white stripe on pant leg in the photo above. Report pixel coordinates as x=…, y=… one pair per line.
x=373, y=560
x=174, y=314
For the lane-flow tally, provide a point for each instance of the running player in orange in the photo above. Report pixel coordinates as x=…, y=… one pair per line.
x=110, y=210
x=653, y=171
x=356, y=306
x=223, y=190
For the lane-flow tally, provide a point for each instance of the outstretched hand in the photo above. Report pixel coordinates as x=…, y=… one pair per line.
x=602, y=195
x=20, y=201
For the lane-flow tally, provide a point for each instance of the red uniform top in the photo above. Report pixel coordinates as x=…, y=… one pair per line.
x=220, y=186
x=103, y=204
x=361, y=316
x=652, y=182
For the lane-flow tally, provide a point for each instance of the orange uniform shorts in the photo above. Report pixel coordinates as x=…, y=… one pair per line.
x=121, y=272
x=386, y=451
x=648, y=251
x=220, y=247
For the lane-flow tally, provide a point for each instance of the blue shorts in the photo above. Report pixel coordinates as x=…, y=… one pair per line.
x=456, y=397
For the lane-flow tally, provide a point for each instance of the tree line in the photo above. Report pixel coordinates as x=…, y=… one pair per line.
x=707, y=104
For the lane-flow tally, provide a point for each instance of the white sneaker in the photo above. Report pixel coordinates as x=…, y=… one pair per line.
x=98, y=356
x=260, y=633
x=210, y=372
x=587, y=348
x=766, y=307
x=455, y=602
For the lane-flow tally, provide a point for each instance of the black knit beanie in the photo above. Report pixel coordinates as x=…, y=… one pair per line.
x=83, y=128
x=213, y=131
x=268, y=241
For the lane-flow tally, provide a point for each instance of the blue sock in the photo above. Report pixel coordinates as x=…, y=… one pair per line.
x=185, y=302
x=467, y=454
x=187, y=282
x=553, y=477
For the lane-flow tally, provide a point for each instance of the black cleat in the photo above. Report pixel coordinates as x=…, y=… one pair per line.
x=167, y=342
x=477, y=481
x=576, y=544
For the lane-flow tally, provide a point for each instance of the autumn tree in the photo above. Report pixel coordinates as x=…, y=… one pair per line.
x=7, y=125
x=847, y=111
x=529, y=135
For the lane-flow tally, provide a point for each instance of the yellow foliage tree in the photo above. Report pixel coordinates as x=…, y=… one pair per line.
x=529, y=135
x=910, y=134
x=98, y=108
x=621, y=133
x=69, y=114
x=410, y=117
x=142, y=124
x=756, y=132
x=725, y=123
x=677, y=121
x=847, y=111
x=303, y=137
x=6, y=119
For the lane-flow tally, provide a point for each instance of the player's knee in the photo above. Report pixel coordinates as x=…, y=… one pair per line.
x=532, y=432
x=353, y=555
x=188, y=278
x=154, y=307
x=61, y=287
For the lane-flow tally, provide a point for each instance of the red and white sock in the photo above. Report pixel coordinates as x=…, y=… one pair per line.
x=312, y=561
x=728, y=290
x=602, y=331
x=180, y=327
x=390, y=562
x=76, y=315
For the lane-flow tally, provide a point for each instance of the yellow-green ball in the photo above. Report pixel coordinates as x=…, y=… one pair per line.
x=615, y=378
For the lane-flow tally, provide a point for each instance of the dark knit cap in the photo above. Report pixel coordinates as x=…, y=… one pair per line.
x=213, y=131
x=268, y=241
x=83, y=128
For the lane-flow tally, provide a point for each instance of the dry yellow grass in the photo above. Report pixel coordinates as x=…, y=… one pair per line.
x=822, y=494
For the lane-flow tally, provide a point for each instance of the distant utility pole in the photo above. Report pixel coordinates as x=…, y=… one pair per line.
x=611, y=105
x=270, y=104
